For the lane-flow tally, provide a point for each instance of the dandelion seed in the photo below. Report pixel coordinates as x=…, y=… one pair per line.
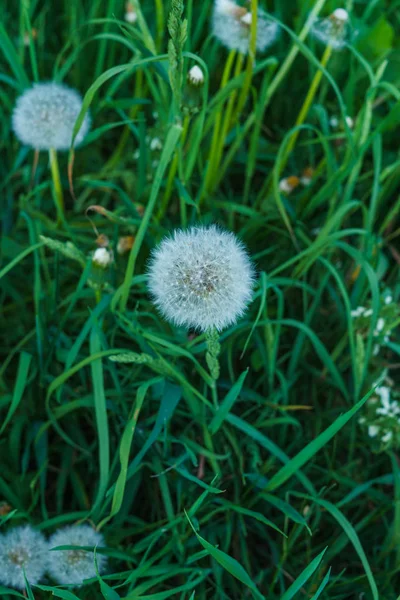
x=102, y=258
x=196, y=76
x=74, y=566
x=22, y=550
x=44, y=117
x=231, y=26
x=201, y=278
x=334, y=30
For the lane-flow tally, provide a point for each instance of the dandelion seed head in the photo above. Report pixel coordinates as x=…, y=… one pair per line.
x=201, y=278
x=74, y=566
x=44, y=117
x=231, y=26
x=22, y=549
x=333, y=31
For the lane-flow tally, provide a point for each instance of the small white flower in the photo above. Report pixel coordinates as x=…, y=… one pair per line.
x=388, y=299
x=156, y=144
x=74, y=566
x=387, y=437
x=201, y=278
x=376, y=350
x=44, y=117
x=349, y=122
x=384, y=394
x=357, y=312
x=379, y=326
x=334, y=122
x=373, y=430
x=102, y=257
x=22, y=549
x=196, y=76
x=368, y=312
x=231, y=25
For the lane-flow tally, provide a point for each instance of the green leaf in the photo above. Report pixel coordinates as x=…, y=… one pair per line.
x=353, y=537
x=20, y=382
x=227, y=562
x=312, y=448
x=303, y=577
x=67, y=249
x=124, y=451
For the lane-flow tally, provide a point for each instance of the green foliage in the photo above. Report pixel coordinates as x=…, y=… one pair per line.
x=238, y=464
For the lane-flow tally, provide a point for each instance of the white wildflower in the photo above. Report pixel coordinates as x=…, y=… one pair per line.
x=22, y=550
x=387, y=437
x=201, y=278
x=334, y=122
x=102, y=257
x=231, y=25
x=376, y=350
x=44, y=117
x=156, y=144
x=373, y=430
x=349, y=122
x=196, y=76
x=388, y=299
x=74, y=566
x=358, y=312
x=130, y=16
x=368, y=312
x=379, y=326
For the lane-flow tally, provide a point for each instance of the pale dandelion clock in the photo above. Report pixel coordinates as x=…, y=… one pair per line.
x=23, y=553
x=231, y=25
x=201, y=278
x=44, y=117
x=75, y=565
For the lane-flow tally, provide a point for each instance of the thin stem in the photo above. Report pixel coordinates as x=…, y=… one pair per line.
x=57, y=187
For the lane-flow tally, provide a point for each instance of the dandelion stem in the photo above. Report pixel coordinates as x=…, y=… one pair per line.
x=57, y=187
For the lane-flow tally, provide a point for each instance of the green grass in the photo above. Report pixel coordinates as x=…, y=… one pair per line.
x=108, y=413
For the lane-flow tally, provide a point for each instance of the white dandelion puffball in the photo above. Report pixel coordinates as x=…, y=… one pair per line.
x=74, y=566
x=333, y=31
x=201, y=278
x=22, y=550
x=231, y=25
x=44, y=117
